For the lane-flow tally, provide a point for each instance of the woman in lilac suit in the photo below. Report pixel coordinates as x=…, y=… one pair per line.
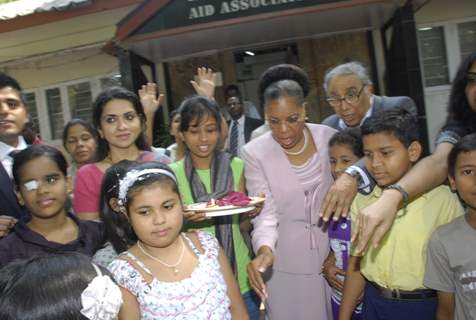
x=290, y=165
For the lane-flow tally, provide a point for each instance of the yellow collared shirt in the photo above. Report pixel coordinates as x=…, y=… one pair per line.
x=399, y=261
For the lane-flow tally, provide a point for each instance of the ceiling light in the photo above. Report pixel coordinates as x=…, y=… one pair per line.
x=250, y=53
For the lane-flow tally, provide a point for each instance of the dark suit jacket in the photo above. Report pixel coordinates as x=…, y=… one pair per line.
x=250, y=125
x=8, y=201
x=379, y=103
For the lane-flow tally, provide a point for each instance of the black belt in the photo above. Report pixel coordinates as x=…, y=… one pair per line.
x=396, y=294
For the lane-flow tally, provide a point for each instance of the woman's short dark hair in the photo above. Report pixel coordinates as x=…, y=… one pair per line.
x=349, y=137
x=466, y=144
x=117, y=229
x=80, y=122
x=283, y=72
x=281, y=89
x=459, y=110
x=36, y=151
x=118, y=93
x=195, y=108
x=45, y=287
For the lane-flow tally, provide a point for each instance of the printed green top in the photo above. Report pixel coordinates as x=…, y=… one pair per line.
x=242, y=253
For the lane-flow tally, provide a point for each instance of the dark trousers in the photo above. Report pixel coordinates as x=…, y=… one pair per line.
x=377, y=307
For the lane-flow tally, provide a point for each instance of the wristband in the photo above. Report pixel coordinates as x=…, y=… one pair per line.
x=402, y=191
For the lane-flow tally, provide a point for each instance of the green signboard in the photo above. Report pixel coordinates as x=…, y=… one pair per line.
x=181, y=13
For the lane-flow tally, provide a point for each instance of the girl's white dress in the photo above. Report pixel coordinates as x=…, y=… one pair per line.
x=203, y=295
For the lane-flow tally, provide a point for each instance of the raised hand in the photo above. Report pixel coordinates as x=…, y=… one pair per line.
x=205, y=84
x=148, y=98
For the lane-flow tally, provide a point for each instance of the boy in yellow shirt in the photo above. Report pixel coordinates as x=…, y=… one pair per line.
x=390, y=277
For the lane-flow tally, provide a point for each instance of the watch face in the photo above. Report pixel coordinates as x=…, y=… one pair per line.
x=352, y=172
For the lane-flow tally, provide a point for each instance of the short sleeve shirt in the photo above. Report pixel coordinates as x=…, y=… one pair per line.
x=451, y=265
x=399, y=261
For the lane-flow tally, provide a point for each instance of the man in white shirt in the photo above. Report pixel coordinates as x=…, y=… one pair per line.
x=240, y=126
x=249, y=108
x=13, y=117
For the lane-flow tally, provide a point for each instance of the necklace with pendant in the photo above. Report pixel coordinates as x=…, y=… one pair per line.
x=173, y=266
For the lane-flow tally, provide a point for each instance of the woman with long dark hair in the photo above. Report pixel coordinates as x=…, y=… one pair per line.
x=119, y=118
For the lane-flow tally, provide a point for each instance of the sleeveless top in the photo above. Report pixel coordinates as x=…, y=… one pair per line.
x=203, y=295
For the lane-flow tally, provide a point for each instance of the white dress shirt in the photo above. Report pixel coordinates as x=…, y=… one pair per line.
x=241, y=135
x=5, y=149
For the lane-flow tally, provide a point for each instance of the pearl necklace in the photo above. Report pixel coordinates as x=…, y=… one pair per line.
x=172, y=266
x=304, y=146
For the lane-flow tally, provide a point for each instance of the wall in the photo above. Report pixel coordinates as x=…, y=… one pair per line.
x=315, y=55
x=60, y=51
x=320, y=54
x=442, y=10
x=438, y=12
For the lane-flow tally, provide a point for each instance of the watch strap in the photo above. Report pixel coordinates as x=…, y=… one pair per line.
x=405, y=196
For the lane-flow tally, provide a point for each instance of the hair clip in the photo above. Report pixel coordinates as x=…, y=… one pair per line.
x=137, y=175
x=102, y=298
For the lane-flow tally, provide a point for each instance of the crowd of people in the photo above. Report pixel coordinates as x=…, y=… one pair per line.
x=354, y=225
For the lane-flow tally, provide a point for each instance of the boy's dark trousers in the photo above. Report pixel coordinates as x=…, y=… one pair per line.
x=379, y=306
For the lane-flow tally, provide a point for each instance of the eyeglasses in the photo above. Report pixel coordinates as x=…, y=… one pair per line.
x=351, y=97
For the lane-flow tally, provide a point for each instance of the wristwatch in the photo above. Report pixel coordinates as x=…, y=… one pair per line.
x=402, y=191
x=354, y=173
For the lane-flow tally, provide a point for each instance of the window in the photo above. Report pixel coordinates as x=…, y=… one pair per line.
x=467, y=38
x=55, y=112
x=433, y=55
x=111, y=81
x=80, y=101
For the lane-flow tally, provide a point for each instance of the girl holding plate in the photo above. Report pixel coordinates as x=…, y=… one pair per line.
x=207, y=172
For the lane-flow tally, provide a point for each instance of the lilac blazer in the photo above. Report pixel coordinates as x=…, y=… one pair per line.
x=282, y=224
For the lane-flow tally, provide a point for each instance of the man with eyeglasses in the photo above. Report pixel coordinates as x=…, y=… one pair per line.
x=349, y=92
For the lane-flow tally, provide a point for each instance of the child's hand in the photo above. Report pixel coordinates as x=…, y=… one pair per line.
x=330, y=272
x=194, y=216
x=6, y=224
x=263, y=260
